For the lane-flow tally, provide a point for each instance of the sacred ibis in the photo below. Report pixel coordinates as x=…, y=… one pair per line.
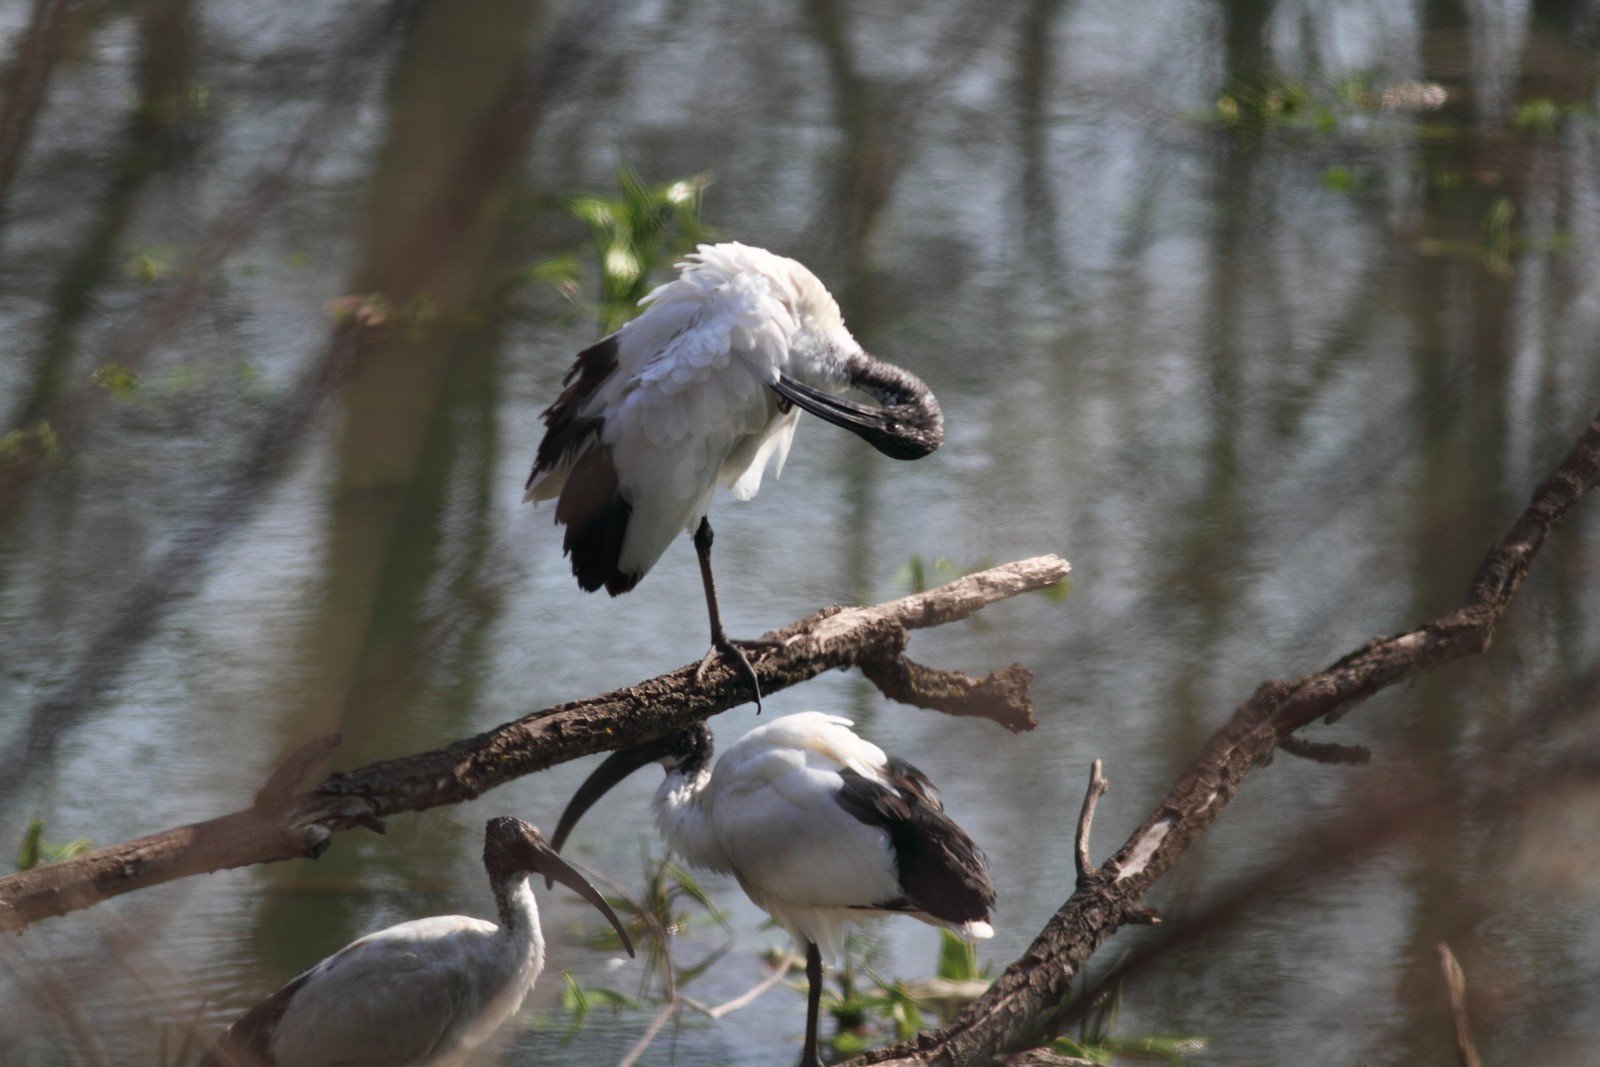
x=703, y=389
x=424, y=993
x=820, y=827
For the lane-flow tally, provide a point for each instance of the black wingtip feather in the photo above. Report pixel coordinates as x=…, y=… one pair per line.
x=596, y=546
x=248, y=1042
x=591, y=505
x=566, y=432
x=941, y=870
x=596, y=517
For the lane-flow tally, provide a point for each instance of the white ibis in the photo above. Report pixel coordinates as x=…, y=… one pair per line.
x=820, y=827
x=700, y=390
x=424, y=993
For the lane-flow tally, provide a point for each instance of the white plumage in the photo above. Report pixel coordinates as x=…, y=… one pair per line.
x=825, y=868
x=424, y=993
x=702, y=389
x=687, y=406
x=820, y=827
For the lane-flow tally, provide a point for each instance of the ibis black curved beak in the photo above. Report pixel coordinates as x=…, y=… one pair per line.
x=614, y=769
x=908, y=423
x=548, y=862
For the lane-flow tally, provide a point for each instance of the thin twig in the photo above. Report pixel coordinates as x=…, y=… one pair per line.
x=1455, y=981
x=650, y=1033
x=1097, y=788
x=728, y=1007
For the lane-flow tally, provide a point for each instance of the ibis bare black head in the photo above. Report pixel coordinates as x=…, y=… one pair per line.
x=513, y=848
x=907, y=424
x=686, y=751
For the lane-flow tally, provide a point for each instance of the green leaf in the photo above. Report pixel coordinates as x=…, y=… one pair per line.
x=1338, y=179
x=575, y=1002
x=958, y=960
x=35, y=850
x=1536, y=116
x=611, y=998
x=631, y=236
x=115, y=379
x=1068, y=1047
x=36, y=442
x=696, y=892
x=688, y=974
x=29, y=854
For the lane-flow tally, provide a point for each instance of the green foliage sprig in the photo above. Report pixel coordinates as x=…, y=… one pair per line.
x=631, y=236
x=35, y=850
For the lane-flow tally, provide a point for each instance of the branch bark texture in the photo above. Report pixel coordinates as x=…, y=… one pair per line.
x=285, y=825
x=1000, y=1020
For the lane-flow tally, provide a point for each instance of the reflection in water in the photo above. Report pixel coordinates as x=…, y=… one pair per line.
x=1222, y=302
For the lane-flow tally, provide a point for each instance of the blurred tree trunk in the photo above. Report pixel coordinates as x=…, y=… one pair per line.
x=1036, y=59
x=460, y=123
x=1461, y=359
x=1217, y=529
x=877, y=135
x=856, y=196
x=53, y=27
x=461, y=111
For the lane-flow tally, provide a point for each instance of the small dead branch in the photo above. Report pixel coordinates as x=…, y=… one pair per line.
x=1455, y=981
x=1324, y=751
x=1097, y=789
x=282, y=826
x=678, y=1001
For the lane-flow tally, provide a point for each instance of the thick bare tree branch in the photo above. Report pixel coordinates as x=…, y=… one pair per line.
x=1036, y=983
x=282, y=825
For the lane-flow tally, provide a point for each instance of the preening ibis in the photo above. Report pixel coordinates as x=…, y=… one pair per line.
x=703, y=389
x=424, y=993
x=820, y=827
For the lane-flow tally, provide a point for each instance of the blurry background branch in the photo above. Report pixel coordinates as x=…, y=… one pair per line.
x=1038, y=982
x=427, y=253
x=281, y=827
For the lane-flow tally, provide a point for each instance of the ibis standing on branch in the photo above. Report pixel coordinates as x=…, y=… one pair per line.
x=704, y=388
x=425, y=993
x=820, y=827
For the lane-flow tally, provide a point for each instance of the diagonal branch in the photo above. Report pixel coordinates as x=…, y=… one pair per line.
x=282, y=825
x=1030, y=987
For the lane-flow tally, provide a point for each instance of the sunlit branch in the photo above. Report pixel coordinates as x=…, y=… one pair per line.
x=281, y=826
x=1456, y=984
x=1097, y=789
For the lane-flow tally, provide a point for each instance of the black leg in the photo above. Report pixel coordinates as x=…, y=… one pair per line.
x=720, y=641
x=809, y=1057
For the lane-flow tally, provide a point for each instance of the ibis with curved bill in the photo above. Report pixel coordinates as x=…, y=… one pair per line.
x=820, y=827
x=425, y=993
x=705, y=388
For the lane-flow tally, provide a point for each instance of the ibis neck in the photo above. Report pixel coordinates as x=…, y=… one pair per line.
x=682, y=816
x=519, y=917
x=884, y=382
x=914, y=423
